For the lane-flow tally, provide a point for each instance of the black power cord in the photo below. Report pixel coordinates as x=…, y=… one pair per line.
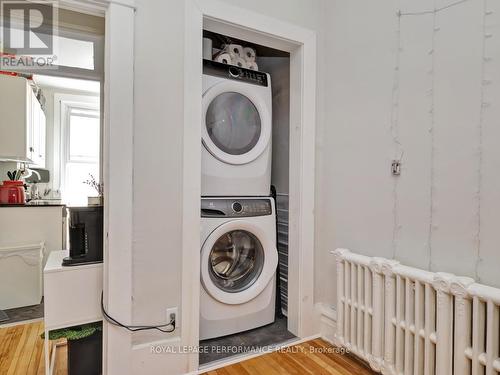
x=115, y=322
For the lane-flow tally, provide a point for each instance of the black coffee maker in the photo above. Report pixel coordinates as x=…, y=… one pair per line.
x=85, y=235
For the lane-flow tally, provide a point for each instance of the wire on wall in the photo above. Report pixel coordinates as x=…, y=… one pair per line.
x=432, y=120
x=137, y=328
x=394, y=129
x=483, y=106
x=435, y=10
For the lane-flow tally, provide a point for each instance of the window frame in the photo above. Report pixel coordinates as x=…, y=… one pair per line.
x=62, y=104
x=96, y=38
x=66, y=126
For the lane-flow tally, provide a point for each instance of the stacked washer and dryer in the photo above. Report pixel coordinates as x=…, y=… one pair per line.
x=238, y=217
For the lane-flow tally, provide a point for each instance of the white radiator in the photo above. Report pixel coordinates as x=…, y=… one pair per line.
x=404, y=320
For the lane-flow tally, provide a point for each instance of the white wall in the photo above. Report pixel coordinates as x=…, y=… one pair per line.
x=424, y=98
x=158, y=107
x=279, y=69
x=366, y=108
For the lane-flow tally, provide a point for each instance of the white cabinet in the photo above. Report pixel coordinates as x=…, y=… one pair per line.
x=37, y=129
x=22, y=122
x=72, y=297
x=33, y=224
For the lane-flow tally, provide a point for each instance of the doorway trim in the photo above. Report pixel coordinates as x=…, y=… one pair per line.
x=118, y=141
x=301, y=44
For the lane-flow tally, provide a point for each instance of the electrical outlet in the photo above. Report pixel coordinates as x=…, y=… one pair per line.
x=173, y=313
x=396, y=167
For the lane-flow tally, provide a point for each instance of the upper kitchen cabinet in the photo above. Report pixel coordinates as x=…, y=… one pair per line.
x=36, y=133
x=22, y=122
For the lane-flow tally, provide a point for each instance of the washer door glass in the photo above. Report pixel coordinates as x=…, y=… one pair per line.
x=233, y=123
x=236, y=261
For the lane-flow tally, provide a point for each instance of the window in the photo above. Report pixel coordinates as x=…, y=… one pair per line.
x=71, y=47
x=75, y=53
x=81, y=145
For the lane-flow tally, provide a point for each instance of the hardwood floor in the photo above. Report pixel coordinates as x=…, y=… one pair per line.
x=312, y=357
x=21, y=351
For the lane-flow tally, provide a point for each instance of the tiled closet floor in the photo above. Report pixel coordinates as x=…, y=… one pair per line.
x=20, y=314
x=227, y=346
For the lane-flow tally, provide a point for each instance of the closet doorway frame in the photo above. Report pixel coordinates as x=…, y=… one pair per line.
x=301, y=44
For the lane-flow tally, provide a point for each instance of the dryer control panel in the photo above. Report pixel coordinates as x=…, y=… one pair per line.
x=233, y=72
x=229, y=207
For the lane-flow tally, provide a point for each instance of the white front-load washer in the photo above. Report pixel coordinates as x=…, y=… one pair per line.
x=236, y=130
x=238, y=265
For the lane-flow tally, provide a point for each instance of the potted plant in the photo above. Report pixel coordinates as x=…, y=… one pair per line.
x=84, y=348
x=12, y=190
x=98, y=187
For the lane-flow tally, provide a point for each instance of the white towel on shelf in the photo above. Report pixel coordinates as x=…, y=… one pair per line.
x=252, y=65
x=224, y=58
x=239, y=61
x=249, y=54
x=234, y=49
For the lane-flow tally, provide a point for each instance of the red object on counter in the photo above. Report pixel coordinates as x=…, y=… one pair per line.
x=12, y=192
x=7, y=73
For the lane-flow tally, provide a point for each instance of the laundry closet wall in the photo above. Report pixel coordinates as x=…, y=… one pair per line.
x=158, y=139
x=279, y=69
x=426, y=85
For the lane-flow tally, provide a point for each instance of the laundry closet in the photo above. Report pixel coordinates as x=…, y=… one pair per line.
x=245, y=131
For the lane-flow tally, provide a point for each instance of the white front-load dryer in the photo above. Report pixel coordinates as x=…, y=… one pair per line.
x=236, y=130
x=238, y=265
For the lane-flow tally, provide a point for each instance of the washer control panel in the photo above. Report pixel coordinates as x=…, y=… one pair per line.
x=218, y=69
x=229, y=207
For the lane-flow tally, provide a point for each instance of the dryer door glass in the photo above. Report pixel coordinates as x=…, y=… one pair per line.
x=236, y=261
x=233, y=123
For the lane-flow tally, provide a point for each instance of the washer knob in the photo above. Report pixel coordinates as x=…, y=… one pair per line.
x=234, y=71
x=237, y=207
